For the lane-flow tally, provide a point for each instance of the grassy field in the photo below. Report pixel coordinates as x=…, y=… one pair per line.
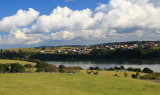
x=79, y=84
x=29, y=50
x=2, y=61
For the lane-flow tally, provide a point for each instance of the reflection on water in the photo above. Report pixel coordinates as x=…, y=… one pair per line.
x=152, y=64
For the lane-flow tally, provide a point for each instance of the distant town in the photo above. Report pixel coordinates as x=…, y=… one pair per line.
x=107, y=46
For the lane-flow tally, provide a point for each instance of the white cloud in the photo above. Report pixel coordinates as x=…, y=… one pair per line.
x=34, y=41
x=119, y=19
x=21, y=18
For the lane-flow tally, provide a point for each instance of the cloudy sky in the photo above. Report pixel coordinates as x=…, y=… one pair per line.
x=28, y=23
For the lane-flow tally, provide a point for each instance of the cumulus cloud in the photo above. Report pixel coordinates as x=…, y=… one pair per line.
x=21, y=18
x=119, y=19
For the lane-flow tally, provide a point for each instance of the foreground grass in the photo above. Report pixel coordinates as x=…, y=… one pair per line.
x=78, y=84
x=2, y=61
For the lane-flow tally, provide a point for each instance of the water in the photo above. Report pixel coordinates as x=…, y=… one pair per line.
x=153, y=64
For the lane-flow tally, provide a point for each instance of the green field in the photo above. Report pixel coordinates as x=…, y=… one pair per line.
x=2, y=61
x=28, y=50
x=79, y=84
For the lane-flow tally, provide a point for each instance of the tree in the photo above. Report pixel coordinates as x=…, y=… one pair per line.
x=130, y=69
x=41, y=66
x=16, y=67
x=97, y=68
x=61, y=68
x=122, y=68
x=147, y=70
x=91, y=68
x=134, y=76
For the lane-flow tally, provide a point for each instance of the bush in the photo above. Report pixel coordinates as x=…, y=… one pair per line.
x=117, y=68
x=147, y=70
x=40, y=70
x=137, y=69
x=28, y=66
x=91, y=68
x=7, y=67
x=41, y=66
x=134, y=76
x=2, y=69
x=122, y=67
x=16, y=67
x=51, y=68
x=112, y=69
x=61, y=68
x=96, y=68
x=130, y=69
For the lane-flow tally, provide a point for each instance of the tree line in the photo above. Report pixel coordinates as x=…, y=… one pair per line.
x=103, y=54
x=138, y=53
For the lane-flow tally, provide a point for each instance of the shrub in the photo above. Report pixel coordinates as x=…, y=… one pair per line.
x=41, y=66
x=137, y=69
x=2, y=69
x=96, y=68
x=112, y=69
x=91, y=68
x=16, y=67
x=134, y=76
x=117, y=68
x=130, y=69
x=122, y=67
x=7, y=67
x=61, y=68
x=147, y=70
x=28, y=66
x=40, y=70
x=51, y=68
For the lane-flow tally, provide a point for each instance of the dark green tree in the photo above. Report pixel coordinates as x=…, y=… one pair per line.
x=16, y=67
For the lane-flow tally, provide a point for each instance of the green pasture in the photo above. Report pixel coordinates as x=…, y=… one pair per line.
x=5, y=61
x=75, y=84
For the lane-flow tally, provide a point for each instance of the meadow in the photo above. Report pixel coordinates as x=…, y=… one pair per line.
x=75, y=84
x=5, y=61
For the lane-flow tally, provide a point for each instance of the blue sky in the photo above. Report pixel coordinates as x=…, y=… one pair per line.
x=10, y=7
x=28, y=23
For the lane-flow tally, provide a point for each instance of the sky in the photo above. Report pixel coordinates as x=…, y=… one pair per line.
x=31, y=23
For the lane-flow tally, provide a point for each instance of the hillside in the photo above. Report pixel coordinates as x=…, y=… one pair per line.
x=79, y=84
x=5, y=61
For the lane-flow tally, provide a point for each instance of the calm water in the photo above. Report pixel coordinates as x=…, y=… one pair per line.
x=152, y=64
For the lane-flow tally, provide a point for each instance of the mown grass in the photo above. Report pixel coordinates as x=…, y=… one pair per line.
x=5, y=61
x=77, y=84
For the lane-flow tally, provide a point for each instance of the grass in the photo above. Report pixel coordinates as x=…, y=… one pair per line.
x=79, y=84
x=2, y=61
x=28, y=50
